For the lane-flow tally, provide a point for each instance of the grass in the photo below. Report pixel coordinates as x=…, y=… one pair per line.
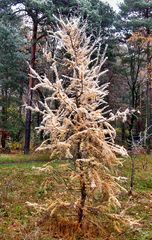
x=141, y=201
x=20, y=158
x=19, y=184
x=143, y=173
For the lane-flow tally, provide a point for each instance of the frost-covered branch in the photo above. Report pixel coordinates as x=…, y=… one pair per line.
x=78, y=125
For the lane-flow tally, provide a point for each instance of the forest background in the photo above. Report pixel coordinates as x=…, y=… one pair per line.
x=25, y=33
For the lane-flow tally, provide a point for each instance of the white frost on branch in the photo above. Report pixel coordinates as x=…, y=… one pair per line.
x=82, y=103
x=75, y=116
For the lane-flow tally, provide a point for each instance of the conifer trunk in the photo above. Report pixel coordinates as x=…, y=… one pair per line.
x=149, y=90
x=82, y=197
x=30, y=95
x=149, y=100
x=132, y=175
x=82, y=188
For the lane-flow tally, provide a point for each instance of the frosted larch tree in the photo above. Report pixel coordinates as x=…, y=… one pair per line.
x=79, y=130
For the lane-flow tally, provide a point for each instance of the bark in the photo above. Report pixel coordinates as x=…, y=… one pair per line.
x=132, y=175
x=39, y=117
x=149, y=96
x=148, y=101
x=30, y=95
x=83, y=191
x=3, y=141
x=133, y=118
x=4, y=117
x=123, y=135
x=4, y=136
x=82, y=197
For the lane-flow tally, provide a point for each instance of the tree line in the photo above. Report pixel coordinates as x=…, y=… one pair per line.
x=25, y=30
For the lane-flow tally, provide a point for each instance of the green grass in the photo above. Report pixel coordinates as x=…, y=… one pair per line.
x=141, y=201
x=14, y=158
x=143, y=173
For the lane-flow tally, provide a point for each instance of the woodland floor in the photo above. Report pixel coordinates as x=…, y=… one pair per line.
x=19, y=184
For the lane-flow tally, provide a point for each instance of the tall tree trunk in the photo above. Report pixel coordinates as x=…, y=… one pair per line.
x=39, y=116
x=132, y=175
x=4, y=109
x=123, y=135
x=83, y=192
x=30, y=95
x=149, y=91
x=133, y=118
x=148, y=101
x=82, y=197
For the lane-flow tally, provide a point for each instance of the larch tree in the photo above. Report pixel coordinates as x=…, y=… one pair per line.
x=78, y=129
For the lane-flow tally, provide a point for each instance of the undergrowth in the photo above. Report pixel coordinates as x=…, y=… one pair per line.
x=20, y=184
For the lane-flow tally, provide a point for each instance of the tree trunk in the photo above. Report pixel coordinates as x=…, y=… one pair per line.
x=123, y=135
x=149, y=89
x=82, y=188
x=133, y=118
x=30, y=95
x=148, y=100
x=82, y=197
x=4, y=109
x=3, y=140
x=132, y=175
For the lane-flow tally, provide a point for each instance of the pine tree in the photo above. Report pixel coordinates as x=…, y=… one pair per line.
x=132, y=60
x=137, y=17
x=37, y=12
x=12, y=73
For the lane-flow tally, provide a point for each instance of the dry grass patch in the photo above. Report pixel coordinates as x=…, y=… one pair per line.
x=19, y=184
